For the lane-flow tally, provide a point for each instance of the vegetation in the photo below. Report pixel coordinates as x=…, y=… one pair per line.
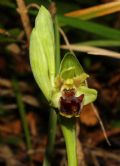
x=31, y=118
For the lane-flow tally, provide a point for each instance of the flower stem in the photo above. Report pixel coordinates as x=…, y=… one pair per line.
x=69, y=132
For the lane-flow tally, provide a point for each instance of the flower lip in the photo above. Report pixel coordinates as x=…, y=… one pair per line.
x=70, y=105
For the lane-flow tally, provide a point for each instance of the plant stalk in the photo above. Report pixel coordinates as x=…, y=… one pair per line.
x=68, y=128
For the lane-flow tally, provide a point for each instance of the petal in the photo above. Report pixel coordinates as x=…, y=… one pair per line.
x=90, y=95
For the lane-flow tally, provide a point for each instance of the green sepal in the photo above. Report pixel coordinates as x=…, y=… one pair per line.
x=70, y=67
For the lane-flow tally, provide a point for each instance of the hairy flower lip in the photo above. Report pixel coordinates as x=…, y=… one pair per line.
x=70, y=105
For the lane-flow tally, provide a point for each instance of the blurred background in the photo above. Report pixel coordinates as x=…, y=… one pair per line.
x=91, y=30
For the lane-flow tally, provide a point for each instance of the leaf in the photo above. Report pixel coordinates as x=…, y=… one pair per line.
x=39, y=65
x=96, y=11
x=42, y=52
x=14, y=32
x=7, y=3
x=13, y=140
x=92, y=50
x=6, y=39
x=115, y=123
x=44, y=28
x=89, y=26
x=90, y=95
x=102, y=43
x=70, y=67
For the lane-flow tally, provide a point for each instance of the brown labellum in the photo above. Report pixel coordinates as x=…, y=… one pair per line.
x=70, y=105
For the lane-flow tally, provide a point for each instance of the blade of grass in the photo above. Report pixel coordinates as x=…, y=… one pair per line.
x=101, y=43
x=92, y=50
x=12, y=140
x=8, y=4
x=22, y=113
x=96, y=11
x=91, y=27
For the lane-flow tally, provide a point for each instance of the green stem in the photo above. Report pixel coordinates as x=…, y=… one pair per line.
x=53, y=116
x=51, y=138
x=69, y=132
x=22, y=112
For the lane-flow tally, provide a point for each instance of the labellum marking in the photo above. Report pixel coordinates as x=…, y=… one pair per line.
x=70, y=105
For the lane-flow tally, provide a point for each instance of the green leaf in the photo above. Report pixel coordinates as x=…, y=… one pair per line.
x=102, y=43
x=115, y=123
x=7, y=3
x=90, y=95
x=6, y=39
x=13, y=140
x=45, y=32
x=39, y=65
x=14, y=32
x=70, y=67
x=42, y=52
x=91, y=27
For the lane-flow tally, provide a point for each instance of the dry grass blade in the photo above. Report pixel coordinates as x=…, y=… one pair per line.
x=101, y=124
x=33, y=5
x=5, y=83
x=92, y=50
x=31, y=100
x=106, y=154
x=7, y=155
x=96, y=11
x=65, y=38
x=9, y=106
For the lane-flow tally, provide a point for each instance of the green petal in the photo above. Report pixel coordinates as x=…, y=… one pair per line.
x=90, y=94
x=70, y=67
